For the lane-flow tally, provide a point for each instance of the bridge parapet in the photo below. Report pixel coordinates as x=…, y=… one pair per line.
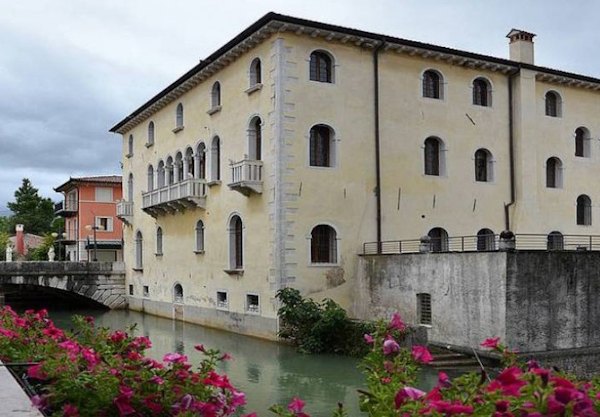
x=103, y=282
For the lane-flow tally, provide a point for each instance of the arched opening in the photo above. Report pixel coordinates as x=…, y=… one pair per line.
x=323, y=244
x=255, y=139
x=321, y=67
x=439, y=239
x=236, y=243
x=486, y=240
x=178, y=293
x=139, y=247
x=584, y=210
x=555, y=241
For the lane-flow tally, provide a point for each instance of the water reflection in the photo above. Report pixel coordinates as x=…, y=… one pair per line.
x=269, y=373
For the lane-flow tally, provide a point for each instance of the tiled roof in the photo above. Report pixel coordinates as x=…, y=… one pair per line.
x=101, y=179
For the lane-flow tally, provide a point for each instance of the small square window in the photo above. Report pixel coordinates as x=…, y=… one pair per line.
x=222, y=301
x=252, y=303
x=146, y=291
x=130, y=289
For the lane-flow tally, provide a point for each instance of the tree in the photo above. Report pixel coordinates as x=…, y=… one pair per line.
x=29, y=209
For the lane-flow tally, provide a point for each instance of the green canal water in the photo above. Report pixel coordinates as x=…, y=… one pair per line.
x=269, y=373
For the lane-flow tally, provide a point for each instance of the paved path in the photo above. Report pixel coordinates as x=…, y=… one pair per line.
x=13, y=400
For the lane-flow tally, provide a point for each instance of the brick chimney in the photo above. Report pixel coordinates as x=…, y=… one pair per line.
x=521, y=46
x=19, y=238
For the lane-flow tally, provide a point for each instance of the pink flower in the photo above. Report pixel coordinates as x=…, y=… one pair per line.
x=36, y=372
x=157, y=380
x=39, y=402
x=175, y=358
x=296, y=406
x=369, y=339
x=200, y=348
x=118, y=336
x=53, y=332
x=253, y=414
x=390, y=346
x=421, y=354
x=397, y=323
x=70, y=410
x=405, y=393
x=443, y=381
x=226, y=357
x=237, y=399
x=491, y=343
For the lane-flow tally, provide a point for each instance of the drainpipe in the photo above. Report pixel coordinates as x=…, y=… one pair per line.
x=511, y=148
x=377, y=147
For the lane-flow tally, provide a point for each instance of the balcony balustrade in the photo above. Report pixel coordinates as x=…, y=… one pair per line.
x=125, y=211
x=65, y=208
x=177, y=197
x=247, y=176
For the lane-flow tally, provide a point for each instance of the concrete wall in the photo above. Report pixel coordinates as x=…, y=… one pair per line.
x=467, y=293
x=544, y=304
x=103, y=282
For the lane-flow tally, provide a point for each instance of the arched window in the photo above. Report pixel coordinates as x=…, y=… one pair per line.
x=433, y=156
x=215, y=159
x=483, y=166
x=321, y=67
x=169, y=171
x=150, y=134
x=200, y=161
x=159, y=241
x=178, y=293
x=130, y=146
x=439, y=239
x=139, y=248
x=486, y=240
x=161, y=174
x=555, y=241
x=321, y=146
x=236, y=243
x=179, y=116
x=323, y=245
x=584, y=210
x=482, y=92
x=189, y=168
x=582, y=142
x=553, y=173
x=255, y=139
x=130, y=187
x=432, y=84
x=215, y=95
x=255, y=72
x=553, y=104
x=150, y=173
x=178, y=167
x=199, y=237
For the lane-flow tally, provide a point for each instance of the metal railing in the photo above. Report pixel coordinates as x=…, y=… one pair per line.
x=552, y=242
x=190, y=188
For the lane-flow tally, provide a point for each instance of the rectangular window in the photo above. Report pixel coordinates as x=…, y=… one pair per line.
x=130, y=289
x=222, y=300
x=424, y=308
x=104, y=224
x=104, y=194
x=146, y=291
x=252, y=303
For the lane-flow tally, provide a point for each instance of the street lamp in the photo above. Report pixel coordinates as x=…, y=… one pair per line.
x=94, y=228
x=60, y=235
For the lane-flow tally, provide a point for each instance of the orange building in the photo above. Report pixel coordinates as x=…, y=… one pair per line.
x=92, y=230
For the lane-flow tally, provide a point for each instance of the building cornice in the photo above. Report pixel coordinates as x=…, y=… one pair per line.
x=273, y=23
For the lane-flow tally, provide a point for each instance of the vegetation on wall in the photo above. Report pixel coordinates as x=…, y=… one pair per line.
x=320, y=327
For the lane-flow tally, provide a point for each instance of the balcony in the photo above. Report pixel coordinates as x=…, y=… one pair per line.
x=125, y=211
x=174, y=198
x=65, y=209
x=247, y=176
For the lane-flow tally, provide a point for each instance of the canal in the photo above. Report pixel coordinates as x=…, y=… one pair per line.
x=269, y=373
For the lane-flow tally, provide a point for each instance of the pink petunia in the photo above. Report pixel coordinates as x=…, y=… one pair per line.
x=390, y=346
x=175, y=358
x=405, y=393
x=369, y=339
x=296, y=406
x=397, y=323
x=491, y=343
x=421, y=354
x=69, y=410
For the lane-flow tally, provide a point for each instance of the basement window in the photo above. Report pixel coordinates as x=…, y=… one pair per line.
x=424, y=308
x=252, y=303
x=130, y=289
x=222, y=300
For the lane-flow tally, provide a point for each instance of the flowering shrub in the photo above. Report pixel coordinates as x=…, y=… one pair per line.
x=518, y=390
x=94, y=372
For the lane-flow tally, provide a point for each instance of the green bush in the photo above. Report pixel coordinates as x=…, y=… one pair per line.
x=320, y=327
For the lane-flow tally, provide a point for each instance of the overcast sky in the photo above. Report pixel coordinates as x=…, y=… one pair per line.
x=72, y=69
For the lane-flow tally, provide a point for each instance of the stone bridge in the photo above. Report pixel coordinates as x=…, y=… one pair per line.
x=102, y=282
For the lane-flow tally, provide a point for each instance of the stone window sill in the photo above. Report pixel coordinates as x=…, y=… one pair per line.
x=252, y=89
x=213, y=110
x=239, y=272
x=178, y=129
